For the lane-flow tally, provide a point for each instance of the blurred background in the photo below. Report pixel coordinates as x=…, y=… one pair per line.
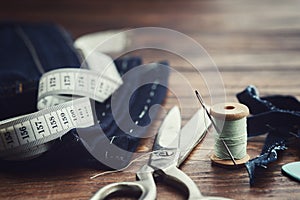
x=252, y=36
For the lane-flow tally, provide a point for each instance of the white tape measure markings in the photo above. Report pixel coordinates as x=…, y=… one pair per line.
x=80, y=82
x=45, y=125
x=27, y=136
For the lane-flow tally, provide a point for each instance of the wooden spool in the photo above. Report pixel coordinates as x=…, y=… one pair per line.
x=229, y=112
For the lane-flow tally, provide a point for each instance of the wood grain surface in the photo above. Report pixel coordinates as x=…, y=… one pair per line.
x=251, y=42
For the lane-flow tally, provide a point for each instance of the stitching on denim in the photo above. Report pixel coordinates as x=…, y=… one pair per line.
x=30, y=48
x=69, y=42
x=148, y=101
x=141, y=115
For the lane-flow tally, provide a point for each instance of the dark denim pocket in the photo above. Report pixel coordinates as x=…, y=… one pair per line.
x=26, y=52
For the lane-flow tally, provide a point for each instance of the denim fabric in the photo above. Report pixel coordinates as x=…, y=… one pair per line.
x=27, y=51
x=54, y=50
x=118, y=158
x=276, y=115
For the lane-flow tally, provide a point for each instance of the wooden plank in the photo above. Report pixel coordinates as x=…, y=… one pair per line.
x=253, y=42
x=230, y=61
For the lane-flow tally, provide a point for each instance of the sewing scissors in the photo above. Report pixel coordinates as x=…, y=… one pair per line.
x=170, y=149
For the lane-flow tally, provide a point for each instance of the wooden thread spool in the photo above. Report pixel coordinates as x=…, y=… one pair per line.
x=230, y=119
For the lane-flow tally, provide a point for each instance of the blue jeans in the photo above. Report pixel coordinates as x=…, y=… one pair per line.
x=29, y=50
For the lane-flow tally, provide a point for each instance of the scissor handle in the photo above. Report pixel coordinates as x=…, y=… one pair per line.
x=145, y=187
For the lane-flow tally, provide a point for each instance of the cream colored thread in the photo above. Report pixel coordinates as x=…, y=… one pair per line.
x=234, y=135
x=122, y=169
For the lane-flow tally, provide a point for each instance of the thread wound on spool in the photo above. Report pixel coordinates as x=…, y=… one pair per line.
x=230, y=119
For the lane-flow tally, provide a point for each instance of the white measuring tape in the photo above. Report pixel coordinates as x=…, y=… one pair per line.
x=28, y=136
x=58, y=85
x=24, y=136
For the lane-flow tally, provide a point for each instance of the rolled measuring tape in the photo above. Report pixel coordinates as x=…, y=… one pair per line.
x=28, y=136
x=61, y=85
x=64, y=101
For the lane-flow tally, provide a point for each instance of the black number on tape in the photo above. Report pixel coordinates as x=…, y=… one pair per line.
x=8, y=138
x=81, y=81
x=24, y=132
x=39, y=127
x=67, y=80
x=53, y=122
x=73, y=115
x=41, y=87
x=64, y=118
x=52, y=82
x=80, y=111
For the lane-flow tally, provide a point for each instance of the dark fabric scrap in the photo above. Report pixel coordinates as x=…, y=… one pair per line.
x=277, y=115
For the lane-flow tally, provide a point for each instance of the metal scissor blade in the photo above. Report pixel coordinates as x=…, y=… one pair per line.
x=192, y=133
x=168, y=133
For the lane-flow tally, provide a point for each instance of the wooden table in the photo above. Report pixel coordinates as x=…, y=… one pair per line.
x=252, y=42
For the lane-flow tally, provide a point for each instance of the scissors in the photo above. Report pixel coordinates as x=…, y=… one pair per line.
x=171, y=147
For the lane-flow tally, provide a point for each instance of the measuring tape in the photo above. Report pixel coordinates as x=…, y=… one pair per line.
x=28, y=136
x=58, y=86
x=24, y=136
